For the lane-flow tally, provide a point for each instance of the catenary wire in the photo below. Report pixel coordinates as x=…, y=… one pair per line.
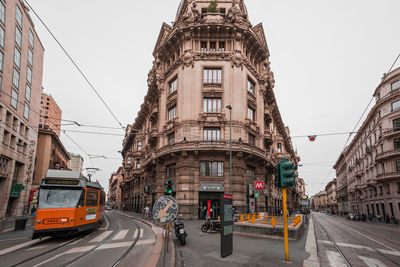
x=76, y=66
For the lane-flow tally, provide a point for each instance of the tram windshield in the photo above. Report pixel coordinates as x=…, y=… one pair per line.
x=60, y=198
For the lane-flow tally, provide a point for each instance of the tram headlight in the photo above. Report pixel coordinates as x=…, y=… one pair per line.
x=64, y=220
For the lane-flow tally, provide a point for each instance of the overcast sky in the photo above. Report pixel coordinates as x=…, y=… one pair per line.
x=328, y=57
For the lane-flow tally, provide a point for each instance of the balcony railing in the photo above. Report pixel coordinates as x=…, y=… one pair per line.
x=388, y=154
x=388, y=176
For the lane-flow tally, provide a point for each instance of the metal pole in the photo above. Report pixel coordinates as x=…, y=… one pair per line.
x=285, y=226
x=230, y=151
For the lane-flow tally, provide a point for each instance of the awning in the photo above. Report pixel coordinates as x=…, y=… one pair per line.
x=211, y=187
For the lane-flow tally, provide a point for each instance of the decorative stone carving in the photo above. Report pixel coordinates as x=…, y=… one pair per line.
x=235, y=14
x=188, y=59
x=192, y=16
x=237, y=59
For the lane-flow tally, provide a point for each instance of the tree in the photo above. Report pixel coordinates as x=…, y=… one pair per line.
x=212, y=8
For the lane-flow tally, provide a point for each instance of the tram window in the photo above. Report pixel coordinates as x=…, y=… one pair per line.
x=91, y=198
x=81, y=201
x=58, y=198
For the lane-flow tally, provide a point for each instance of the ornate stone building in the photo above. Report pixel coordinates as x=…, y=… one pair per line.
x=368, y=171
x=330, y=190
x=209, y=59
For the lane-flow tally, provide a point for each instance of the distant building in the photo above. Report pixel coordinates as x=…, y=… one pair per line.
x=115, y=192
x=21, y=71
x=321, y=201
x=331, y=196
x=368, y=170
x=76, y=162
x=50, y=114
x=51, y=154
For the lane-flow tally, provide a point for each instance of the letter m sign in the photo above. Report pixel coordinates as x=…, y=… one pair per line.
x=259, y=185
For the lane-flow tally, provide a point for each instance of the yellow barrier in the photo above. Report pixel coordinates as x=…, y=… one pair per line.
x=258, y=218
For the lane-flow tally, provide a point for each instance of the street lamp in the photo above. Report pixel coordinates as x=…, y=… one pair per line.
x=230, y=148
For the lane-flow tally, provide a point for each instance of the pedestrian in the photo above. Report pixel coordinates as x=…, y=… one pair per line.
x=33, y=210
x=146, y=212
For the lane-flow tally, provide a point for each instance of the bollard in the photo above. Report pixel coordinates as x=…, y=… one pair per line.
x=273, y=221
x=253, y=218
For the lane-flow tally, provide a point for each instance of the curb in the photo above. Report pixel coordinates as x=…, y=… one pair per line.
x=311, y=247
x=156, y=252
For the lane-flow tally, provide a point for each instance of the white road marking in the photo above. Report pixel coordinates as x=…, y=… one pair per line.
x=126, y=244
x=100, y=237
x=26, y=244
x=335, y=259
x=372, y=262
x=37, y=247
x=121, y=235
x=135, y=234
x=104, y=228
x=141, y=233
x=71, y=251
x=385, y=251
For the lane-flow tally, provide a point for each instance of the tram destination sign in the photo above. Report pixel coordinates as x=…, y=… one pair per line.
x=165, y=210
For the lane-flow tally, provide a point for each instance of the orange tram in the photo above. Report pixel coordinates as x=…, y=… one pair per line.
x=68, y=203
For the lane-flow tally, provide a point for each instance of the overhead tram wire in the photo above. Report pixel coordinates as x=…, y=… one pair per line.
x=362, y=115
x=76, y=66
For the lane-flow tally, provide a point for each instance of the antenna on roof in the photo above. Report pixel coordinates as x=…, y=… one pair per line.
x=91, y=172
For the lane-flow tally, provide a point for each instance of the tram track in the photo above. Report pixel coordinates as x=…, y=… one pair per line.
x=343, y=227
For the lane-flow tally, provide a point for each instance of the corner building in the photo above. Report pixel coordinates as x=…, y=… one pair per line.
x=203, y=63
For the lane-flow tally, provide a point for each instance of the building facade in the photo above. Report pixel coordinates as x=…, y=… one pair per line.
x=50, y=154
x=331, y=194
x=368, y=171
x=210, y=66
x=320, y=201
x=115, y=191
x=50, y=114
x=21, y=71
x=76, y=162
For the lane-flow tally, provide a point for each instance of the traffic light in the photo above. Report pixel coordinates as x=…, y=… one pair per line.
x=288, y=176
x=169, y=185
x=284, y=174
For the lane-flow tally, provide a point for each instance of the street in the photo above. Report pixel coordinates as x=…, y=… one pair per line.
x=103, y=247
x=343, y=242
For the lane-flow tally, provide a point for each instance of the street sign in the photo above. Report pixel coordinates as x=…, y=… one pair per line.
x=226, y=226
x=165, y=210
x=257, y=195
x=259, y=185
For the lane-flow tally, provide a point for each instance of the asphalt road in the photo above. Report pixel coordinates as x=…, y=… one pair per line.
x=344, y=242
x=102, y=247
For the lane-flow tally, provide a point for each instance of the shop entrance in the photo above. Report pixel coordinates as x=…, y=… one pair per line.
x=209, y=203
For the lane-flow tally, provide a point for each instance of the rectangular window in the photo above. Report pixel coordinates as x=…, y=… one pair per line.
x=396, y=85
x=396, y=143
x=31, y=39
x=1, y=61
x=2, y=13
x=139, y=145
x=1, y=87
x=396, y=105
x=250, y=113
x=129, y=160
x=30, y=57
x=251, y=172
x=203, y=46
x=17, y=57
x=213, y=46
x=28, y=93
x=14, y=98
x=212, y=105
x=26, y=111
x=279, y=147
x=173, y=85
x=213, y=76
x=138, y=164
x=171, y=171
x=212, y=134
x=18, y=16
x=91, y=198
x=252, y=140
x=211, y=168
x=16, y=78
x=251, y=86
x=221, y=47
x=171, y=138
x=396, y=125
x=18, y=37
x=398, y=165
x=2, y=36
x=172, y=113
x=29, y=75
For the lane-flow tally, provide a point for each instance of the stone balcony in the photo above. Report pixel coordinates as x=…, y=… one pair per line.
x=388, y=176
x=213, y=18
x=387, y=154
x=391, y=133
x=268, y=134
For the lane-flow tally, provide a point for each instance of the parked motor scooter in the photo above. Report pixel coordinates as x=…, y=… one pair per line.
x=180, y=232
x=213, y=225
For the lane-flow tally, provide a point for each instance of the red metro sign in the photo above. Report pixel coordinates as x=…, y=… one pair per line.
x=259, y=185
